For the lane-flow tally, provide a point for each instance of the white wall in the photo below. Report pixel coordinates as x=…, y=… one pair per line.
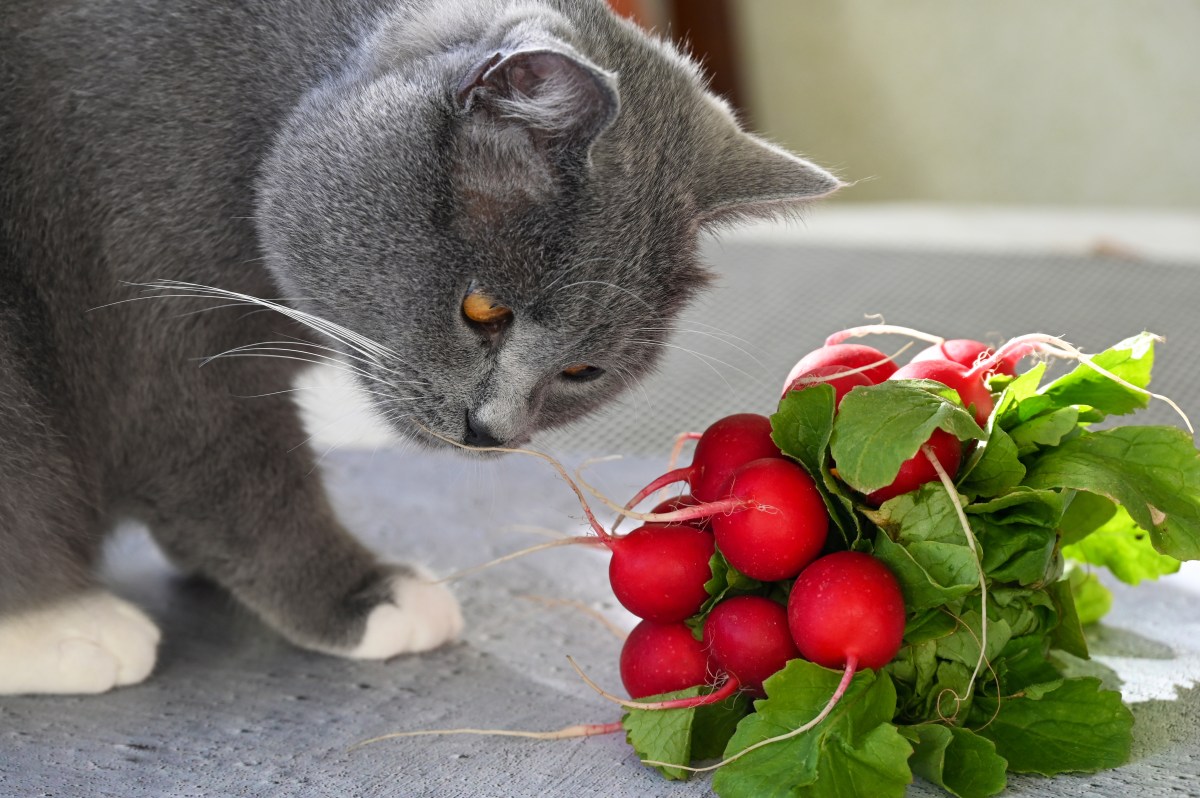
x=1089, y=102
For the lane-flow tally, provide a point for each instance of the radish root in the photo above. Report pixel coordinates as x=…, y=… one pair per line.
x=952, y=492
x=728, y=688
x=882, y=329
x=847, y=677
x=579, y=606
x=553, y=544
x=569, y=732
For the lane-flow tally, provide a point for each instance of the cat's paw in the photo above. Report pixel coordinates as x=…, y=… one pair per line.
x=87, y=644
x=420, y=616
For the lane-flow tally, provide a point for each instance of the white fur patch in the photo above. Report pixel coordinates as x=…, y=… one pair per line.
x=424, y=616
x=88, y=644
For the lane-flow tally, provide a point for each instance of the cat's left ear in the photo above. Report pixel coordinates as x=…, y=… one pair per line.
x=562, y=100
x=754, y=178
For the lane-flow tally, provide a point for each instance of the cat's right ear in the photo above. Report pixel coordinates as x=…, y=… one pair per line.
x=561, y=100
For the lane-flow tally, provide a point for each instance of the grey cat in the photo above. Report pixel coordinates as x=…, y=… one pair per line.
x=469, y=205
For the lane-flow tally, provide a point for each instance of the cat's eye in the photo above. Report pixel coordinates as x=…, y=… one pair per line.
x=582, y=371
x=485, y=312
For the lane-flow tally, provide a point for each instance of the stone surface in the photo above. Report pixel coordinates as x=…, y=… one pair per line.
x=232, y=710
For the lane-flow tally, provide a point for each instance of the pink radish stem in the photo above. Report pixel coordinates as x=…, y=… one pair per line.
x=728, y=688
x=704, y=510
x=847, y=677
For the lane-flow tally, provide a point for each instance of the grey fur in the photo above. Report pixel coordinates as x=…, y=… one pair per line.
x=360, y=159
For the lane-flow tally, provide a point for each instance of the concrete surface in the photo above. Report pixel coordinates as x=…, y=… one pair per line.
x=233, y=711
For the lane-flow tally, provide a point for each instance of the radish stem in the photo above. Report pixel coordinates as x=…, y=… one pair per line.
x=728, y=688
x=952, y=491
x=704, y=510
x=847, y=677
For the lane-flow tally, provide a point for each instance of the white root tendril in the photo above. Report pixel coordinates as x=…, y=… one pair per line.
x=847, y=677
x=883, y=329
x=1060, y=348
x=569, y=732
x=978, y=560
x=579, y=606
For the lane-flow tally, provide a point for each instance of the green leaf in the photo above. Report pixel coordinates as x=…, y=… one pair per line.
x=803, y=423
x=1131, y=360
x=995, y=468
x=1075, y=726
x=854, y=751
x=1086, y=512
x=1124, y=548
x=1092, y=599
x=1017, y=533
x=679, y=735
x=1153, y=472
x=1045, y=430
x=878, y=427
x=726, y=581
x=925, y=547
x=957, y=760
x=1019, y=401
x=1068, y=635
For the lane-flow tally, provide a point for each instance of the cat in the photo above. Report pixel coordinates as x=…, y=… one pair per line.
x=470, y=206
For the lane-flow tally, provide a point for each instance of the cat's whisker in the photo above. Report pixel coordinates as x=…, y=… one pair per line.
x=321, y=360
x=343, y=335
x=613, y=286
x=332, y=364
x=703, y=358
x=748, y=354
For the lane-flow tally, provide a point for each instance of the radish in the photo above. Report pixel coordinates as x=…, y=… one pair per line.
x=917, y=470
x=661, y=658
x=969, y=385
x=874, y=364
x=748, y=637
x=726, y=444
x=658, y=572
x=786, y=526
x=842, y=378
x=846, y=610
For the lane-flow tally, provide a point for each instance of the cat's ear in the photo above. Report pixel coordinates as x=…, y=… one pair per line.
x=560, y=99
x=752, y=178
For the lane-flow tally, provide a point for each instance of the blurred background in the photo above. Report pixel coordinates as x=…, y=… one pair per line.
x=1064, y=103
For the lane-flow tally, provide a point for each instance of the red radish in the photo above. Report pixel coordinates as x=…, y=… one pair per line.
x=726, y=444
x=658, y=572
x=967, y=352
x=970, y=387
x=842, y=385
x=850, y=356
x=661, y=658
x=748, y=637
x=845, y=607
x=917, y=470
x=785, y=527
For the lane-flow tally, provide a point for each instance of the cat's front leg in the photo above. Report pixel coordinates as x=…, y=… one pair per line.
x=250, y=513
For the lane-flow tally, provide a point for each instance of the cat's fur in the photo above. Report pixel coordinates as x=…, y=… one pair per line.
x=368, y=162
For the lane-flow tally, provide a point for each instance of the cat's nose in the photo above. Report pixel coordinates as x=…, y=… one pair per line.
x=479, y=434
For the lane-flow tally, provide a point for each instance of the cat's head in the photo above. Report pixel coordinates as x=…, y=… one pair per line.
x=505, y=198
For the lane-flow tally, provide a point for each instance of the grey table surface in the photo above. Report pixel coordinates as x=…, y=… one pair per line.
x=233, y=711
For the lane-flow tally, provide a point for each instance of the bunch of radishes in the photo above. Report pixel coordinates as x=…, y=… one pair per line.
x=765, y=516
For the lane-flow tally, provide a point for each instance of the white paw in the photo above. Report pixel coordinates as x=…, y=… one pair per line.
x=421, y=616
x=88, y=644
